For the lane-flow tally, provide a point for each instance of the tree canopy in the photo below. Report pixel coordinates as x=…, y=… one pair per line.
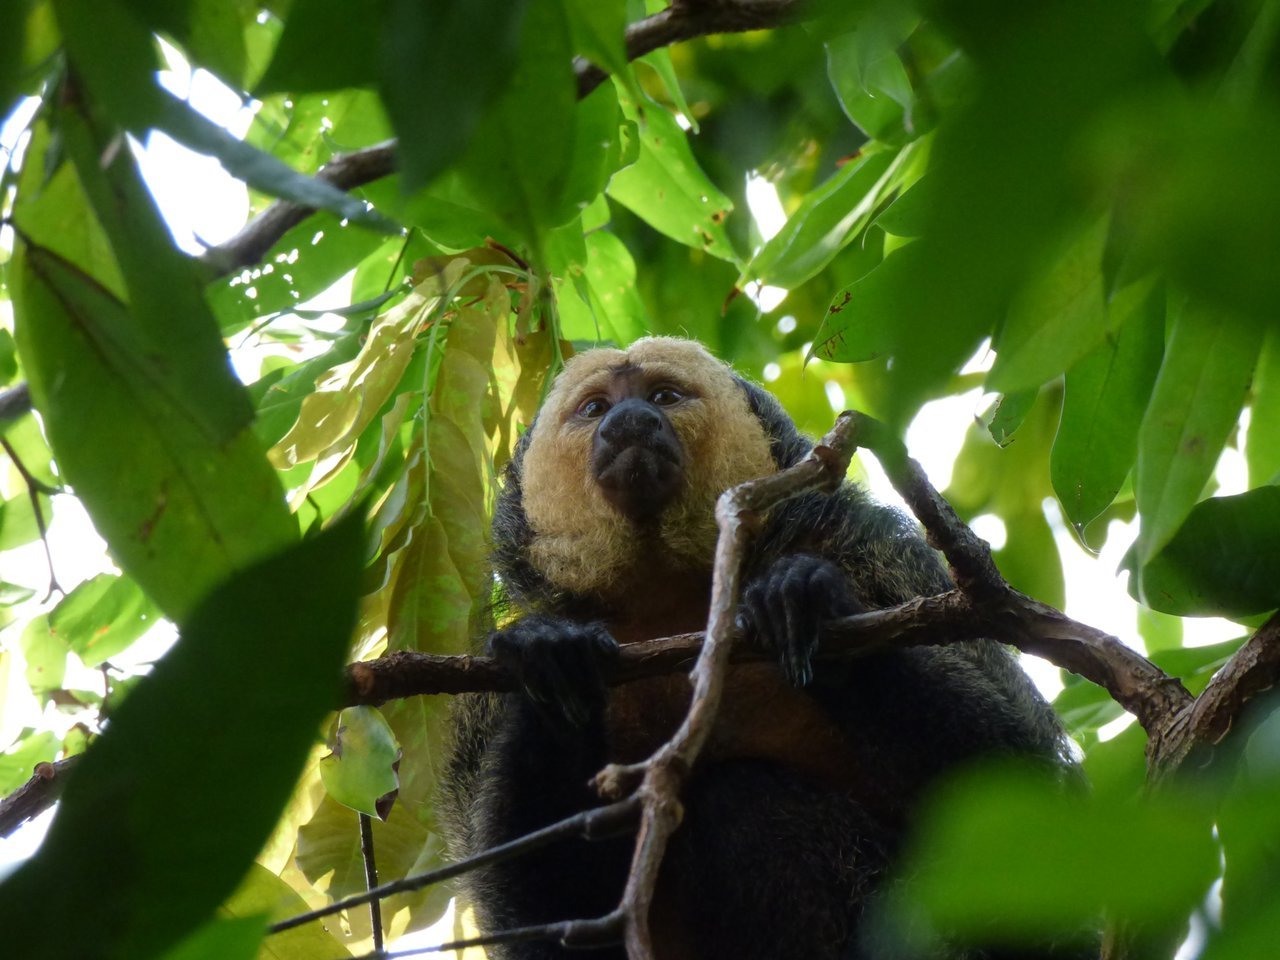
x=1085, y=194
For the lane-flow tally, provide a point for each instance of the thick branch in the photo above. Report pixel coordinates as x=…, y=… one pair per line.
x=687, y=19
x=36, y=795
x=1254, y=669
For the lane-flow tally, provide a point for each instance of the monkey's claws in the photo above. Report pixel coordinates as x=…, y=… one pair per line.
x=783, y=610
x=559, y=664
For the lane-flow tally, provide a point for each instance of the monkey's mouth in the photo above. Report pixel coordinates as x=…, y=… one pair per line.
x=639, y=481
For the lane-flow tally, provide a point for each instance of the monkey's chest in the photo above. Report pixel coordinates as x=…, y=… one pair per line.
x=762, y=717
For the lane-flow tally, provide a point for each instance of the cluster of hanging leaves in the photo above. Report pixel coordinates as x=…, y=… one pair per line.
x=1090, y=188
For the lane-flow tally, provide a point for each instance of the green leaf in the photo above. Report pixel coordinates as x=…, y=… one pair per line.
x=1057, y=319
x=519, y=163
x=602, y=301
x=830, y=217
x=1196, y=402
x=18, y=765
x=175, y=825
x=1106, y=394
x=45, y=655
x=1222, y=561
x=667, y=188
x=262, y=894
x=1262, y=445
x=18, y=519
x=101, y=617
x=324, y=47
x=1007, y=415
x=598, y=31
x=234, y=939
x=1012, y=858
x=13, y=23
x=191, y=507
x=856, y=327
x=360, y=768
x=867, y=74
x=444, y=65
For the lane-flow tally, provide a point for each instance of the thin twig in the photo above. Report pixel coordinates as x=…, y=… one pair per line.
x=371, y=877
x=595, y=824
x=35, y=487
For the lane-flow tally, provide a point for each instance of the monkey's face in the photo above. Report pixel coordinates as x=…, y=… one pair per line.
x=636, y=457
x=632, y=448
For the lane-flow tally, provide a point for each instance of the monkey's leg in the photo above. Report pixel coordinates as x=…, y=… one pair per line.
x=537, y=772
x=770, y=866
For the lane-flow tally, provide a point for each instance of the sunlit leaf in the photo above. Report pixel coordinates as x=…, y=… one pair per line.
x=101, y=617
x=829, y=218
x=360, y=768
x=668, y=189
x=211, y=501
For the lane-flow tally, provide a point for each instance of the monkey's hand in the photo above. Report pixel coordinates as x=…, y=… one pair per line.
x=559, y=664
x=784, y=607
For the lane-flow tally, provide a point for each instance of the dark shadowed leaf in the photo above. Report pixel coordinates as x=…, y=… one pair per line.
x=1223, y=561
x=441, y=68
x=179, y=793
x=326, y=45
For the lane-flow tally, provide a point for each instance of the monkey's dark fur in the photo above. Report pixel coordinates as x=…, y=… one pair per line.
x=801, y=801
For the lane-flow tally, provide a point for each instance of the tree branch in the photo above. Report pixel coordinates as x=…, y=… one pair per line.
x=36, y=795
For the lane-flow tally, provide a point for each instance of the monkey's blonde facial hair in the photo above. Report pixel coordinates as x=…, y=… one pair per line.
x=581, y=543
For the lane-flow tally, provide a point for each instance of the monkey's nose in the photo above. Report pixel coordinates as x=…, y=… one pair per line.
x=631, y=421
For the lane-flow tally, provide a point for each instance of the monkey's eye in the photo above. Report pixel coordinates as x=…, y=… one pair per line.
x=665, y=396
x=593, y=408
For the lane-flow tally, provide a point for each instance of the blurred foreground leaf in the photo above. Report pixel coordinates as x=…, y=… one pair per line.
x=181, y=790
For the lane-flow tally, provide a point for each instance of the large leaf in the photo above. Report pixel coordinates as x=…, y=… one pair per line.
x=114, y=53
x=324, y=47
x=1003, y=858
x=1059, y=318
x=181, y=790
x=1196, y=402
x=1262, y=448
x=827, y=220
x=1106, y=394
x=444, y=64
x=186, y=508
x=1222, y=561
x=667, y=188
x=101, y=617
